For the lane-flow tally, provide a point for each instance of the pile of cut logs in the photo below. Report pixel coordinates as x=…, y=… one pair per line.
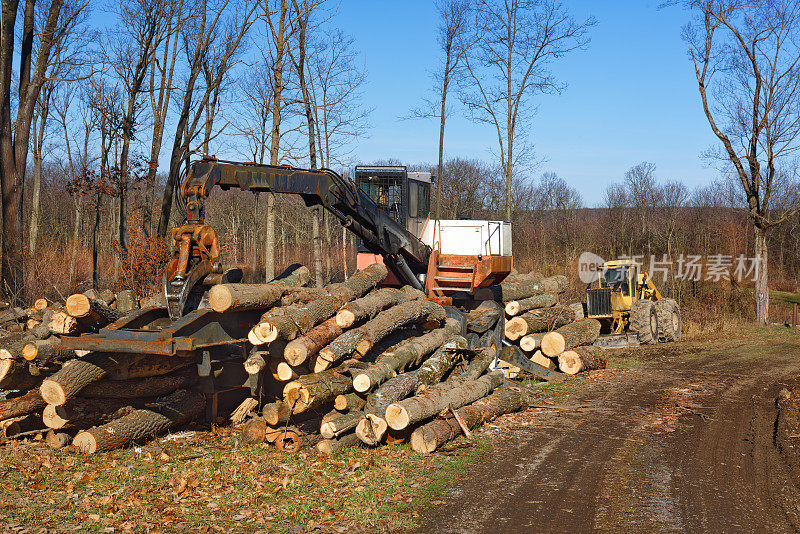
x=96, y=401
x=551, y=334
x=336, y=366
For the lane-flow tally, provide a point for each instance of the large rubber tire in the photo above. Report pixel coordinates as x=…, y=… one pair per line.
x=644, y=321
x=669, y=320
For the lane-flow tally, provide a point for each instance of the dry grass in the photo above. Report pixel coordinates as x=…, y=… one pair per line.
x=209, y=482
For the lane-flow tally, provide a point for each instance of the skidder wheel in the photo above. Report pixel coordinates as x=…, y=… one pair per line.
x=669, y=320
x=644, y=321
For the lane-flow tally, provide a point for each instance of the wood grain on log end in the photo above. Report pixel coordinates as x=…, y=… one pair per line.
x=570, y=363
x=345, y=318
x=362, y=383
x=397, y=417
x=57, y=440
x=516, y=328
x=553, y=344
x=255, y=363
x=78, y=305
x=52, y=392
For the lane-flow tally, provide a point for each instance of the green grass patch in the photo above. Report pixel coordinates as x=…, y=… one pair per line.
x=785, y=296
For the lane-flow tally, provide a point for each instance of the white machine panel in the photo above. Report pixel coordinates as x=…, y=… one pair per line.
x=469, y=238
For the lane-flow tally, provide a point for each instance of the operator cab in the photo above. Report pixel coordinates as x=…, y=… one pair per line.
x=404, y=195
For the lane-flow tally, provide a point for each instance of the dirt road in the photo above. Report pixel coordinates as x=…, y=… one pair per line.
x=675, y=439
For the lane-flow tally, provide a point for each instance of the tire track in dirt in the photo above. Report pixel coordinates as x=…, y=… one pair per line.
x=675, y=446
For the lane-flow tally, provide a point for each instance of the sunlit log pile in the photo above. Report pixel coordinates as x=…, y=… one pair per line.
x=351, y=363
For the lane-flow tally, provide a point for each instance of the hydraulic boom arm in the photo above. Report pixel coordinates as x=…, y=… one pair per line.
x=404, y=254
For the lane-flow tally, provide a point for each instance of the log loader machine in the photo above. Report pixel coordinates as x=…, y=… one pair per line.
x=630, y=307
x=446, y=259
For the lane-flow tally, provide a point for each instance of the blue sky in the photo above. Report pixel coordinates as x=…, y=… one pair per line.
x=632, y=95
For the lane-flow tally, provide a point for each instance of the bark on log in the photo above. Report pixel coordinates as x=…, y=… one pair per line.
x=15, y=374
x=148, y=387
x=12, y=428
x=63, y=324
x=580, y=359
x=176, y=409
x=256, y=431
x=402, y=356
x=316, y=389
x=288, y=322
x=235, y=297
x=327, y=447
x=540, y=320
x=370, y=305
x=349, y=402
x=363, y=338
x=79, y=413
x=531, y=342
x=296, y=275
x=372, y=427
x=256, y=362
x=43, y=351
x=484, y=317
x=545, y=300
x=299, y=350
x=275, y=413
x=30, y=402
x=583, y=332
x=436, y=398
x=340, y=425
x=429, y=437
x=93, y=314
x=77, y=374
x=285, y=372
x=57, y=440
x=292, y=439
x=522, y=287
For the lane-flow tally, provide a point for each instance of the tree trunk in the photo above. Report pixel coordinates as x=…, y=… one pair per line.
x=580, y=359
x=329, y=446
x=349, y=402
x=275, y=413
x=317, y=247
x=44, y=351
x=370, y=305
x=92, y=314
x=540, y=320
x=236, y=297
x=762, y=288
x=545, y=300
x=531, y=342
x=179, y=408
x=303, y=347
x=522, y=287
x=340, y=425
x=287, y=323
x=16, y=374
x=583, y=332
x=399, y=358
x=80, y=413
x=77, y=374
x=152, y=386
x=31, y=402
x=429, y=437
x=433, y=400
x=316, y=389
x=362, y=339
x=372, y=428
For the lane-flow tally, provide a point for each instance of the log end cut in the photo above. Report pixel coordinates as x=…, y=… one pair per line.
x=52, y=392
x=397, y=417
x=78, y=305
x=553, y=344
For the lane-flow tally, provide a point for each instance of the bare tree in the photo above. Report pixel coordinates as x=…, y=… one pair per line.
x=510, y=48
x=746, y=56
x=453, y=23
x=15, y=132
x=207, y=33
x=130, y=51
x=162, y=72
